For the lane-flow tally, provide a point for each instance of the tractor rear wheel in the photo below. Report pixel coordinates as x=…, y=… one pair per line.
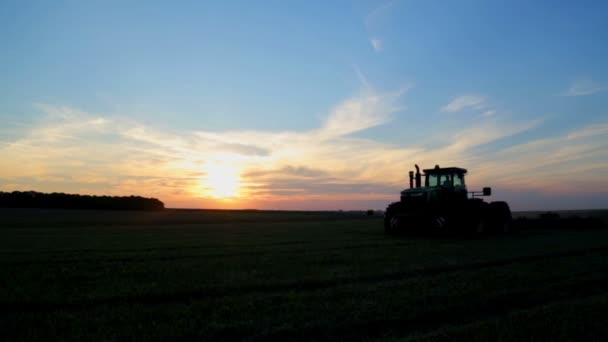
x=476, y=221
x=391, y=217
x=501, y=216
x=481, y=226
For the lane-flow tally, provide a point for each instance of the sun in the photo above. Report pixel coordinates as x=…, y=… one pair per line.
x=221, y=181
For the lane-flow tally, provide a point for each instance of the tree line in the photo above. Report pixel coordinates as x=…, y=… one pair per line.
x=33, y=199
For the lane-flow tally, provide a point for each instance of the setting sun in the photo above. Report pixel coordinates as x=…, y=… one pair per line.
x=221, y=181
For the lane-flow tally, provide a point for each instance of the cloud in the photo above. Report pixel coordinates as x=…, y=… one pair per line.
x=597, y=130
x=92, y=154
x=287, y=171
x=486, y=132
x=376, y=43
x=379, y=13
x=374, y=19
x=584, y=87
x=571, y=162
x=367, y=88
x=464, y=102
x=72, y=151
x=362, y=112
x=116, y=155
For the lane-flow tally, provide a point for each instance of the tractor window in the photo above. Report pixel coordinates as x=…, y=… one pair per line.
x=433, y=180
x=458, y=180
x=444, y=180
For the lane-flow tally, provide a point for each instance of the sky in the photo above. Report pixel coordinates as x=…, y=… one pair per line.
x=304, y=104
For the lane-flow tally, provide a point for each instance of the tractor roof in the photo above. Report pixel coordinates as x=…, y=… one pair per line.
x=445, y=170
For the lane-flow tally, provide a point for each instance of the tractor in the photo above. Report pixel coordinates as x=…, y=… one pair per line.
x=445, y=204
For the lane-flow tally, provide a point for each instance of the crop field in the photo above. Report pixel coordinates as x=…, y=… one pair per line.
x=250, y=275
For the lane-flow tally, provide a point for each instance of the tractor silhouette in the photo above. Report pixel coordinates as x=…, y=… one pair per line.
x=445, y=204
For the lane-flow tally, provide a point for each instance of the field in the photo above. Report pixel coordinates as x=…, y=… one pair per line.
x=214, y=275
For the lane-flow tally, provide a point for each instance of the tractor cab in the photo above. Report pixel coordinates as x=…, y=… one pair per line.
x=441, y=185
x=447, y=177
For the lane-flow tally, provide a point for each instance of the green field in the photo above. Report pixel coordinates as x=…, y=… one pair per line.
x=221, y=275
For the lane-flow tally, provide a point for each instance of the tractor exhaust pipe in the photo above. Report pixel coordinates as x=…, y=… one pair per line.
x=411, y=179
x=418, y=177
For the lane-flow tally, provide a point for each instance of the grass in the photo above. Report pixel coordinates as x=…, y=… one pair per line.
x=249, y=275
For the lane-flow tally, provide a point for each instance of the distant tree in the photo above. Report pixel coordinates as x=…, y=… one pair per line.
x=33, y=199
x=370, y=212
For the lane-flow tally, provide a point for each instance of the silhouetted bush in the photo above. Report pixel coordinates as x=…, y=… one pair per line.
x=33, y=199
x=370, y=212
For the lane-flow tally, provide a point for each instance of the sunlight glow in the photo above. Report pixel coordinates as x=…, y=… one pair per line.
x=221, y=181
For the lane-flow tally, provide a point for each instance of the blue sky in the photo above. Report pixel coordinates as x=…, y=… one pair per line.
x=304, y=104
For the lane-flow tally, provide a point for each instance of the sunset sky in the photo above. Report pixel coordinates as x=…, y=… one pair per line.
x=304, y=104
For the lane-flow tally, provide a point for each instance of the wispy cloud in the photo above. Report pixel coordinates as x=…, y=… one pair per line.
x=115, y=155
x=379, y=13
x=569, y=162
x=488, y=113
x=365, y=84
x=69, y=150
x=362, y=112
x=373, y=21
x=376, y=43
x=597, y=130
x=464, y=102
x=584, y=87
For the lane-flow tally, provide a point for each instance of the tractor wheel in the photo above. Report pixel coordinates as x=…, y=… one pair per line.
x=501, y=216
x=391, y=218
x=477, y=217
x=481, y=225
x=438, y=222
